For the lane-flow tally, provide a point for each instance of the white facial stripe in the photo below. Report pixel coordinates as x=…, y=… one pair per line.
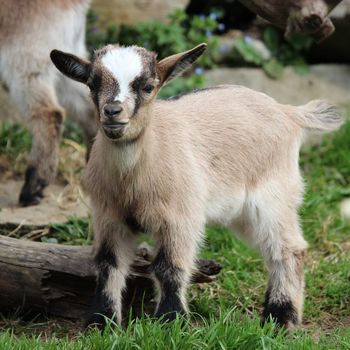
x=125, y=65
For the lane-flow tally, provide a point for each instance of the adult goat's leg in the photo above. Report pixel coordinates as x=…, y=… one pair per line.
x=46, y=125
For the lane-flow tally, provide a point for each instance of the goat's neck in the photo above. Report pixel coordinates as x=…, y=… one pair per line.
x=126, y=158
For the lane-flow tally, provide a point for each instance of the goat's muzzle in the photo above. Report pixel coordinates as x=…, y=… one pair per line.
x=112, y=121
x=114, y=130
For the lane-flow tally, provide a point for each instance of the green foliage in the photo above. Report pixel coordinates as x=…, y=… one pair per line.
x=248, y=52
x=282, y=52
x=181, y=33
x=76, y=231
x=182, y=85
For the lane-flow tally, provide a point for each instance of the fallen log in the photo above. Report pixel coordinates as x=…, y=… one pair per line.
x=59, y=280
x=300, y=16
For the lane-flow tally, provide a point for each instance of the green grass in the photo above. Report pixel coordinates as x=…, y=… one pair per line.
x=230, y=330
x=225, y=313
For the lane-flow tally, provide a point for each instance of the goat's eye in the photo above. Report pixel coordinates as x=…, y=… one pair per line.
x=148, y=88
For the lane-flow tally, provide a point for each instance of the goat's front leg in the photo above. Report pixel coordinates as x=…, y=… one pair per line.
x=114, y=252
x=173, y=267
x=46, y=125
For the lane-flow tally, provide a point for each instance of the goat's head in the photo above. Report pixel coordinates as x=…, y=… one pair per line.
x=123, y=82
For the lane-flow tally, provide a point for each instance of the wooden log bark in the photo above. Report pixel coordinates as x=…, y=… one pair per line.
x=59, y=280
x=299, y=16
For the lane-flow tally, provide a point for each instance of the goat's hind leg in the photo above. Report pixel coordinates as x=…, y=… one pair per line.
x=284, y=295
x=275, y=230
x=280, y=240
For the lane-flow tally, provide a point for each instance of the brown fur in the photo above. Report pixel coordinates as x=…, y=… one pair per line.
x=46, y=126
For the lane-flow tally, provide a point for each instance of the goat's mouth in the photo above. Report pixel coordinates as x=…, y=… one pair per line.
x=114, y=130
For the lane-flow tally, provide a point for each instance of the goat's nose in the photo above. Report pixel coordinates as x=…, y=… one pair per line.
x=112, y=110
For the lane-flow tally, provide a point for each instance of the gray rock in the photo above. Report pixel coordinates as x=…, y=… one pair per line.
x=331, y=82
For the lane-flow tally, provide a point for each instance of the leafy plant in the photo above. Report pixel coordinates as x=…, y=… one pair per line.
x=76, y=231
x=248, y=52
x=277, y=53
x=182, y=85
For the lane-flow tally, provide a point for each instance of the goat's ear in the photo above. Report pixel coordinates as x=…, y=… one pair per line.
x=72, y=66
x=172, y=66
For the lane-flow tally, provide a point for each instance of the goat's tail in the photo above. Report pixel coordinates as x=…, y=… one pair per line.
x=320, y=115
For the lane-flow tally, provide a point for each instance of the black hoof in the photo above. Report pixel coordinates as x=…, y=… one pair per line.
x=27, y=200
x=166, y=314
x=284, y=314
x=98, y=314
x=95, y=321
x=32, y=190
x=167, y=317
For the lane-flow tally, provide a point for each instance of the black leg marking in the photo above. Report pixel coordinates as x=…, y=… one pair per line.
x=32, y=190
x=101, y=306
x=283, y=312
x=169, y=278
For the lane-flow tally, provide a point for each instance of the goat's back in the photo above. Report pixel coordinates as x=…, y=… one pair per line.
x=240, y=134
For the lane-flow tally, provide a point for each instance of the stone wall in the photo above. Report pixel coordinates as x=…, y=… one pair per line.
x=131, y=11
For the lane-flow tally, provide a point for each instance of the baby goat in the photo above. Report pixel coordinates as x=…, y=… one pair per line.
x=225, y=155
x=29, y=30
